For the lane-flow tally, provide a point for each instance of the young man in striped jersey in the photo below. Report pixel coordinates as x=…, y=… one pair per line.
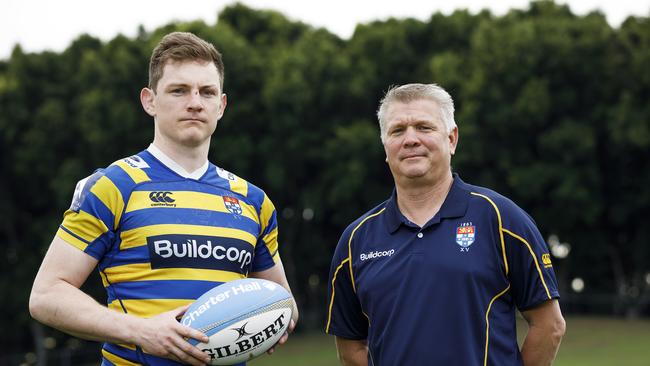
x=162, y=226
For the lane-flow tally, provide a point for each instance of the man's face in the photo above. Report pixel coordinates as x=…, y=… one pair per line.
x=187, y=103
x=417, y=143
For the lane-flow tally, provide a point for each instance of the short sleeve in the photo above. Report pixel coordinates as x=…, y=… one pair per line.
x=266, y=249
x=344, y=315
x=90, y=221
x=530, y=269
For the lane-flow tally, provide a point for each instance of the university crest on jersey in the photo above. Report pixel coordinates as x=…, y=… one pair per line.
x=232, y=205
x=465, y=234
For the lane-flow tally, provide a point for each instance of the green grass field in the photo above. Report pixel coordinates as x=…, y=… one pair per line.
x=605, y=342
x=588, y=342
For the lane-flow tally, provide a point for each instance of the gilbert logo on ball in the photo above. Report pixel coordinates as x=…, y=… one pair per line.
x=242, y=318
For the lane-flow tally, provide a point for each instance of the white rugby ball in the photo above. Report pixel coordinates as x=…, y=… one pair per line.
x=242, y=318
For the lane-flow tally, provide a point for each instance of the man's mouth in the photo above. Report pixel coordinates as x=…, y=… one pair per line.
x=193, y=119
x=411, y=156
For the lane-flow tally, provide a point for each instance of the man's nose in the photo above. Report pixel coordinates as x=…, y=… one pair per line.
x=195, y=102
x=411, y=136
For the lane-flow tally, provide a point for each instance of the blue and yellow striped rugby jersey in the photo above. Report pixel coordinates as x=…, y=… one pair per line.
x=162, y=240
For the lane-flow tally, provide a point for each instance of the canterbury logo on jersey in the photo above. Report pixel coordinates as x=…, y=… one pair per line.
x=199, y=251
x=162, y=199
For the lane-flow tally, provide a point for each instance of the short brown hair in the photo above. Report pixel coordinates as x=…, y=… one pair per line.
x=182, y=46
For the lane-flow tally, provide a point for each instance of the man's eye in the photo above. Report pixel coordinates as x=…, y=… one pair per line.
x=177, y=91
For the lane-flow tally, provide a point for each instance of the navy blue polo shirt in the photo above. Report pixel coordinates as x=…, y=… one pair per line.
x=445, y=293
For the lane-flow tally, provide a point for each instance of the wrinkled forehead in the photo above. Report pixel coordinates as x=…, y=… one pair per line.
x=420, y=110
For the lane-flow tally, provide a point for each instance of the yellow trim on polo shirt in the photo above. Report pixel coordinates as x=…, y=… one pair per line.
x=487, y=323
x=503, y=244
x=354, y=287
x=532, y=254
x=329, y=312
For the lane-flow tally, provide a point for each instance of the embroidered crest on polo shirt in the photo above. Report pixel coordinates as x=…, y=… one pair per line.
x=232, y=205
x=465, y=235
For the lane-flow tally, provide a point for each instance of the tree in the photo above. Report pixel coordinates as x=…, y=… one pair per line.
x=552, y=111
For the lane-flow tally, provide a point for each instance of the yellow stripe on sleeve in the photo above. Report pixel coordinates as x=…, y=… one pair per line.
x=83, y=225
x=276, y=257
x=271, y=240
x=72, y=240
x=138, y=175
x=266, y=212
x=239, y=185
x=503, y=244
x=138, y=236
x=329, y=312
x=532, y=254
x=111, y=197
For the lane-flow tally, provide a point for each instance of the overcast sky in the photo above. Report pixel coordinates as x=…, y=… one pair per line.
x=39, y=25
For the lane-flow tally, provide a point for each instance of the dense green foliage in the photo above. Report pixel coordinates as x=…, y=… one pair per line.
x=552, y=109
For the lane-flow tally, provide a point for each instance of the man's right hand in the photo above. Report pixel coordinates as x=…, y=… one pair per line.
x=164, y=336
x=56, y=300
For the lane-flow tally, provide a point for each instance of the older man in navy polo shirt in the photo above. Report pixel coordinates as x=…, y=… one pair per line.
x=435, y=274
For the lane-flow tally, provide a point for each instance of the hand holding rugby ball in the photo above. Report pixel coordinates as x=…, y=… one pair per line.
x=242, y=318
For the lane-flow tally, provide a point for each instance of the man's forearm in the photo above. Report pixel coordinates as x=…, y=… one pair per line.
x=352, y=352
x=540, y=346
x=357, y=359
x=65, y=307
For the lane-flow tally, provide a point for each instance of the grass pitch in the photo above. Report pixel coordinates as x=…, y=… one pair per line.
x=589, y=341
x=605, y=342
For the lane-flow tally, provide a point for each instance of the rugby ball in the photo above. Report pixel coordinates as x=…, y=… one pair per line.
x=242, y=318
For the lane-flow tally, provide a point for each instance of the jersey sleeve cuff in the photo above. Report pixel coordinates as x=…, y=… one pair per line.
x=538, y=302
x=346, y=335
x=75, y=241
x=71, y=238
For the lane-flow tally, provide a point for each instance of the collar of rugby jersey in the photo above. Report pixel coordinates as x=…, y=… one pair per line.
x=174, y=166
x=455, y=205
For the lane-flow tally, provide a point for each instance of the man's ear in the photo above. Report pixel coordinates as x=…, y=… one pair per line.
x=453, y=140
x=147, y=99
x=224, y=103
